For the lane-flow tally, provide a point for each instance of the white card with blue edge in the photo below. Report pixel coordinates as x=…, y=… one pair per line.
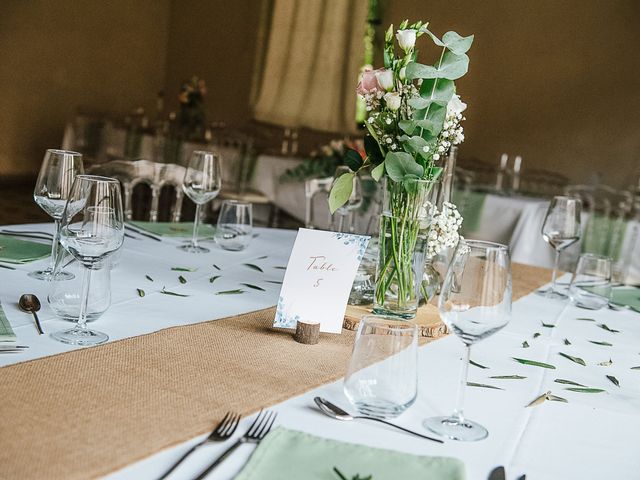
x=318, y=279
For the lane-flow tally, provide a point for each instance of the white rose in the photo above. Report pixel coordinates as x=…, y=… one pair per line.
x=392, y=99
x=385, y=80
x=455, y=105
x=406, y=39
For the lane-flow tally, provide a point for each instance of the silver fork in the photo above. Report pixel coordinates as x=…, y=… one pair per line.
x=256, y=432
x=223, y=431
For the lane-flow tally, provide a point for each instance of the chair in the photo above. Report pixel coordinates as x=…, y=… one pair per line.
x=312, y=188
x=539, y=182
x=85, y=134
x=155, y=175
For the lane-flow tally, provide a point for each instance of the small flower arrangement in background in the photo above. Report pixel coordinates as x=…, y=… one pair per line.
x=192, y=120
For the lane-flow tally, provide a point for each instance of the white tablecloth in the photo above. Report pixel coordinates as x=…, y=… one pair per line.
x=594, y=436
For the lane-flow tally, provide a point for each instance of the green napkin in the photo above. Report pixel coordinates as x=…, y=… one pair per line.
x=169, y=229
x=6, y=332
x=470, y=205
x=628, y=296
x=14, y=250
x=288, y=454
x=604, y=236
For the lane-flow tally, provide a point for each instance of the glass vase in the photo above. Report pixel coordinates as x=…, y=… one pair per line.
x=404, y=227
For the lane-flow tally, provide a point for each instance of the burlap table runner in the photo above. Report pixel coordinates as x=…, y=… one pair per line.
x=86, y=413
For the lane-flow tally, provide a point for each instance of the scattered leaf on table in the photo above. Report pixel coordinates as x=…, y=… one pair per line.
x=476, y=364
x=605, y=327
x=262, y=257
x=216, y=267
x=148, y=278
x=568, y=382
x=182, y=280
x=577, y=360
x=635, y=368
x=255, y=287
x=585, y=319
x=281, y=268
x=140, y=292
x=524, y=361
x=548, y=325
x=567, y=342
x=525, y=344
x=274, y=281
x=613, y=380
x=253, y=267
x=214, y=278
x=230, y=292
x=604, y=344
x=539, y=400
x=608, y=363
x=167, y=292
x=508, y=377
x=536, y=335
x=555, y=398
x=585, y=390
x=483, y=385
x=183, y=269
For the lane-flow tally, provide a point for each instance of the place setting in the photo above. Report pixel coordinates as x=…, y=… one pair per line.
x=321, y=252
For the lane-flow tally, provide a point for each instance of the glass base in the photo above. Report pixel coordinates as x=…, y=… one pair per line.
x=191, y=248
x=80, y=336
x=381, y=408
x=450, y=427
x=400, y=314
x=553, y=294
x=48, y=275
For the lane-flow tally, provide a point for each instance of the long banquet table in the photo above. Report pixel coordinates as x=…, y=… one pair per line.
x=592, y=436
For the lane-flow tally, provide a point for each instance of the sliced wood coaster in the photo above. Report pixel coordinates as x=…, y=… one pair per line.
x=307, y=333
x=427, y=319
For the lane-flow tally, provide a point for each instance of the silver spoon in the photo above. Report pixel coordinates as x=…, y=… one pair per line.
x=336, y=412
x=31, y=304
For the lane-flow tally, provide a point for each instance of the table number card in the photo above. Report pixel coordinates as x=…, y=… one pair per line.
x=318, y=279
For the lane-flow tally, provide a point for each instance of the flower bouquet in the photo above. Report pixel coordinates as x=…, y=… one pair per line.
x=414, y=118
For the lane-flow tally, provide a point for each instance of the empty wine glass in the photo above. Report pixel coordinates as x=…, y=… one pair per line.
x=92, y=229
x=475, y=302
x=353, y=203
x=560, y=229
x=202, y=183
x=59, y=169
x=590, y=285
x=235, y=225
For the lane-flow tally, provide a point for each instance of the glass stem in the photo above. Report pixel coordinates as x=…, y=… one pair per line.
x=54, y=244
x=341, y=223
x=555, y=272
x=196, y=224
x=84, y=299
x=458, y=413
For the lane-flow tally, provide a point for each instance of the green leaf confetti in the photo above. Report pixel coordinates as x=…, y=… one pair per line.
x=216, y=267
x=274, y=281
x=605, y=327
x=148, y=278
x=483, y=385
x=140, y=292
x=255, y=287
x=476, y=364
x=577, y=360
x=525, y=344
x=508, y=377
x=585, y=319
x=253, y=267
x=567, y=342
x=167, y=292
x=604, y=344
x=184, y=269
x=568, y=382
x=237, y=291
x=534, y=363
x=585, y=390
x=182, y=280
x=214, y=278
x=548, y=325
x=536, y=335
x=613, y=380
x=608, y=363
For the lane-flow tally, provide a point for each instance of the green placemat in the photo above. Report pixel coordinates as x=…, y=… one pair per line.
x=14, y=250
x=470, y=205
x=169, y=229
x=6, y=332
x=288, y=454
x=628, y=296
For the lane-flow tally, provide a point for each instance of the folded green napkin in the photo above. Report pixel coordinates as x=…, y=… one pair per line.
x=628, y=296
x=169, y=229
x=288, y=454
x=14, y=250
x=6, y=332
x=470, y=205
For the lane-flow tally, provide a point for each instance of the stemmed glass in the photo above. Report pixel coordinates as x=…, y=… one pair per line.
x=92, y=229
x=560, y=229
x=202, y=183
x=475, y=302
x=59, y=169
x=355, y=200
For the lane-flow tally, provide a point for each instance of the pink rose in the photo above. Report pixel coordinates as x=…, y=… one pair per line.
x=368, y=82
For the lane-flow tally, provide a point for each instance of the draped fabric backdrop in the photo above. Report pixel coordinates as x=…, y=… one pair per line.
x=311, y=64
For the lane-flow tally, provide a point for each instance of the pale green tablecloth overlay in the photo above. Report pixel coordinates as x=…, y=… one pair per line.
x=14, y=250
x=629, y=296
x=470, y=205
x=6, y=332
x=169, y=229
x=287, y=455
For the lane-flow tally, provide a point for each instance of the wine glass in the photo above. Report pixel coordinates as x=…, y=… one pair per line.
x=235, y=225
x=355, y=199
x=202, y=183
x=92, y=229
x=475, y=302
x=59, y=169
x=560, y=229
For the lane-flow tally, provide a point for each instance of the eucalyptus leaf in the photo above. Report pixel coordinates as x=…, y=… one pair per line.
x=407, y=126
x=341, y=191
x=253, y=267
x=453, y=41
x=140, y=292
x=352, y=159
x=167, y=292
x=508, y=377
x=452, y=67
x=585, y=390
x=183, y=269
x=604, y=344
x=437, y=89
x=577, y=360
x=483, y=385
x=378, y=172
x=605, y=327
x=237, y=291
x=214, y=278
x=613, y=380
x=182, y=280
x=400, y=165
x=148, y=278
x=568, y=382
x=534, y=363
x=476, y=364
x=255, y=287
